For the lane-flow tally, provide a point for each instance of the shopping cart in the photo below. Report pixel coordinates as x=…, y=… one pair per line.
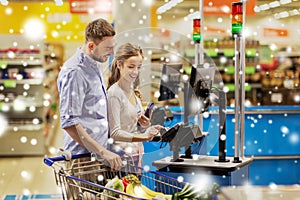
x=87, y=180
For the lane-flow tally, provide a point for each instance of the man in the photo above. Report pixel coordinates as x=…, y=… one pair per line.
x=83, y=101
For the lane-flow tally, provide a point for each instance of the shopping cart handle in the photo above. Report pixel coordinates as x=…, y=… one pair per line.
x=50, y=161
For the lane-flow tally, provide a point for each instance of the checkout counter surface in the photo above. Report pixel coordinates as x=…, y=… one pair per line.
x=273, y=192
x=201, y=163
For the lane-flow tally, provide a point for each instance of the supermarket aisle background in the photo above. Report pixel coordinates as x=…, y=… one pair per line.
x=29, y=175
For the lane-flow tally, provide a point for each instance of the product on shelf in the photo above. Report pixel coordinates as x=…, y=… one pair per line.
x=21, y=95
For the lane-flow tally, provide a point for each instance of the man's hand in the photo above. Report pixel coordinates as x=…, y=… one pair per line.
x=113, y=159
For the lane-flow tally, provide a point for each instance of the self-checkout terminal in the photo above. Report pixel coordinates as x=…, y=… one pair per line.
x=197, y=99
x=200, y=92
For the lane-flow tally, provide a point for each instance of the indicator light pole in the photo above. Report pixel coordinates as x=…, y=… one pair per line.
x=243, y=68
x=238, y=23
x=199, y=57
x=199, y=54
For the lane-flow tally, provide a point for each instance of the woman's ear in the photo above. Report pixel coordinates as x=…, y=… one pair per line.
x=119, y=64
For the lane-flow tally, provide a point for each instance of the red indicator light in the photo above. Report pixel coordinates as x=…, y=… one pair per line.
x=237, y=18
x=237, y=8
x=197, y=30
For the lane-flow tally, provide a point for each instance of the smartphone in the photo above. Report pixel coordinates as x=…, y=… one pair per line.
x=149, y=109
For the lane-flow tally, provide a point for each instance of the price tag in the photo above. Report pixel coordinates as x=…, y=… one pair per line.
x=10, y=83
x=211, y=52
x=249, y=70
x=229, y=52
x=3, y=64
x=229, y=70
x=288, y=84
x=276, y=97
x=250, y=53
x=230, y=87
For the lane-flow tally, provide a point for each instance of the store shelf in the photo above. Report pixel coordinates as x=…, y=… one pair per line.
x=22, y=93
x=24, y=81
x=26, y=127
x=24, y=104
x=54, y=54
x=22, y=62
x=288, y=54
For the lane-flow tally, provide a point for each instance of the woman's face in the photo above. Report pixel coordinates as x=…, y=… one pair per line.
x=131, y=68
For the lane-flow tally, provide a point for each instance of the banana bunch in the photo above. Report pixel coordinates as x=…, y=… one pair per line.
x=137, y=189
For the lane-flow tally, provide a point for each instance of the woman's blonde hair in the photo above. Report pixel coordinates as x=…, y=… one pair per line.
x=123, y=53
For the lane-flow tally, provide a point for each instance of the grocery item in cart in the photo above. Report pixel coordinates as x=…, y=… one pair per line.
x=115, y=184
x=94, y=180
x=136, y=188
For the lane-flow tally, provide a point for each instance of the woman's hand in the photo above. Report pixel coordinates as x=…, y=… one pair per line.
x=153, y=130
x=144, y=121
x=148, y=135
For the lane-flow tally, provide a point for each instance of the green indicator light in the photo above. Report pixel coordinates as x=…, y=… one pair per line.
x=237, y=28
x=197, y=37
x=237, y=18
x=197, y=30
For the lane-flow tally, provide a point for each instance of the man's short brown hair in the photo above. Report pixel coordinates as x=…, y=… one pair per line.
x=98, y=29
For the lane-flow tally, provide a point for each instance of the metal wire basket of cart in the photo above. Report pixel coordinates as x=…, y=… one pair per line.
x=92, y=179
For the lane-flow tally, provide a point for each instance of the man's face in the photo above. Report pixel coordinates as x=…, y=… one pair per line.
x=103, y=49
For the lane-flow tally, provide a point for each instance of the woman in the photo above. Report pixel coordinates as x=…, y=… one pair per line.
x=125, y=107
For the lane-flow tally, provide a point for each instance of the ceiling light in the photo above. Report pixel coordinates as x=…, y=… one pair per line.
x=284, y=14
x=195, y=15
x=274, y=4
x=294, y=12
x=264, y=7
x=4, y=2
x=276, y=16
x=59, y=2
x=256, y=9
x=168, y=6
x=161, y=10
x=147, y=2
x=285, y=1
